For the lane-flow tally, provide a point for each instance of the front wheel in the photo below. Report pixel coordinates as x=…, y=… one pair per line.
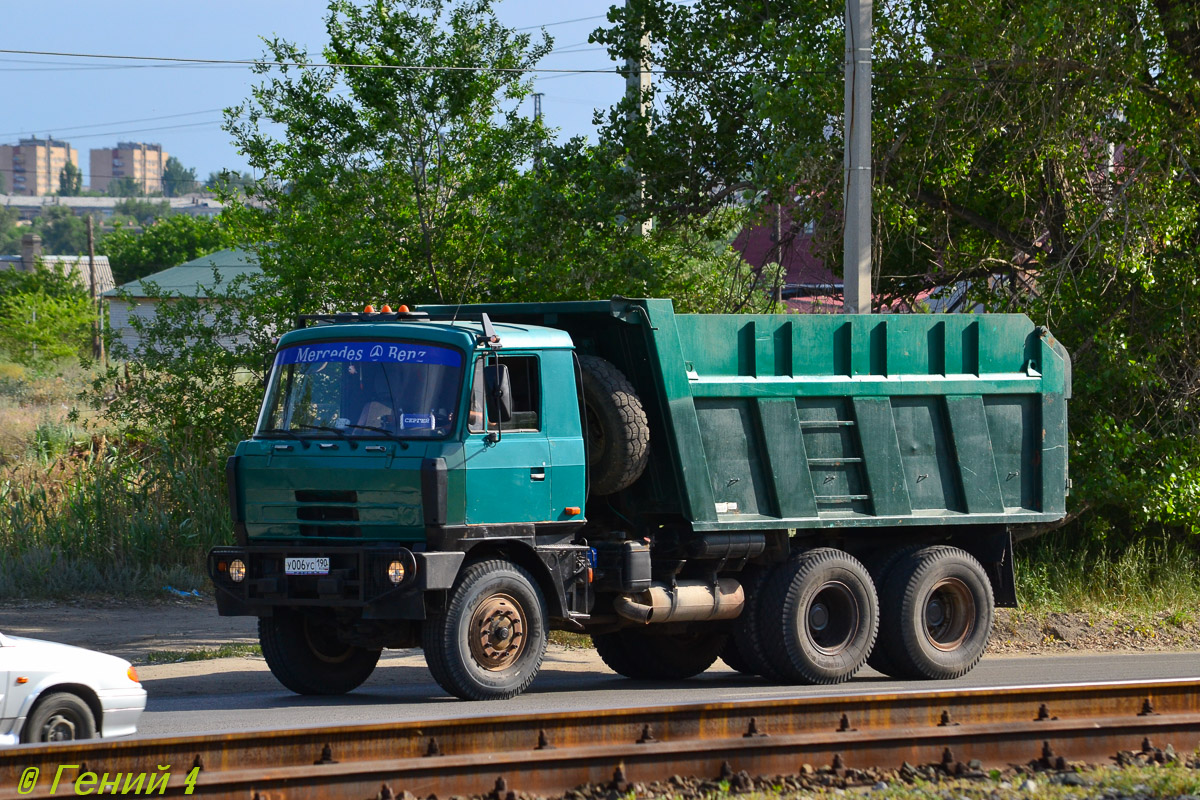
x=648, y=654
x=306, y=655
x=489, y=642
x=59, y=717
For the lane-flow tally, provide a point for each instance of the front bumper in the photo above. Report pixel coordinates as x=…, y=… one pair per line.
x=122, y=710
x=357, y=579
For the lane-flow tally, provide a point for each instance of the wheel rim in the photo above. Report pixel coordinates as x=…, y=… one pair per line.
x=497, y=632
x=949, y=614
x=325, y=648
x=59, y=728
x=831, y=619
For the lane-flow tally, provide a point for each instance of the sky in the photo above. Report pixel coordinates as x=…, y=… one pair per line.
x=94, y=103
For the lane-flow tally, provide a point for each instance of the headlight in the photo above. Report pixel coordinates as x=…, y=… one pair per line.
x=237, y=570
x=396, y=572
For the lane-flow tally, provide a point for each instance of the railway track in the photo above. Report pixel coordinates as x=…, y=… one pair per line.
x=550, y=753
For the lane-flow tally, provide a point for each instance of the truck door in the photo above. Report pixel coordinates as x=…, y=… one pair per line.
x=507, y=449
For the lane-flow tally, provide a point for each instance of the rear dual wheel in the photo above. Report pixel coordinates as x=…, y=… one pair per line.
x=818, y=618
x=937, y=615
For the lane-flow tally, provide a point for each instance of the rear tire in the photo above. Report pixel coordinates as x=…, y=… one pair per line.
x=880, y=565
x=618, y=434
x=489, y=642
x=820, y=617
x=747, y=632
x=734, y=659
x=644, y=654
x=59, y=717
x=938, y=613
x=308, y=658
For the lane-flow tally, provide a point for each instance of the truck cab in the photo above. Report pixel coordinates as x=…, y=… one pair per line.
x=387, y=448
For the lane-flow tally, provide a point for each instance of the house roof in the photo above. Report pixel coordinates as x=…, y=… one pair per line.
x=65, y=264
x=194, y=278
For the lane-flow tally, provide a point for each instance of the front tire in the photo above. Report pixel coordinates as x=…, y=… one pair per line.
x=820, y=617
x=489, y=642
x=60, y=717
x=938, y=613
x=306, y=656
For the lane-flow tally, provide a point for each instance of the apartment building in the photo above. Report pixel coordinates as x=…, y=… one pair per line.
x=143, y=162
x=32, y=166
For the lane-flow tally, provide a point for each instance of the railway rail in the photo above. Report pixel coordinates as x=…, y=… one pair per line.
x=550, y=753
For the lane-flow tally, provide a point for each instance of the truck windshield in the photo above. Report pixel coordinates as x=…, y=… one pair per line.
x=362, y=388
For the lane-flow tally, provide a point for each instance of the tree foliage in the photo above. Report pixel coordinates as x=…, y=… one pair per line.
x=70, y=180
x=165, y=243
x=1046, y=155
x=125, y=187
x=418, y=184
x=45, y=316
x=177, y=179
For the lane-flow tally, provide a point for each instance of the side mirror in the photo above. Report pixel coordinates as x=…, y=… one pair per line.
x=499, y=394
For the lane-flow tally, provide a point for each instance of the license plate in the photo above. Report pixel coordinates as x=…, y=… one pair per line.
x=306, y=566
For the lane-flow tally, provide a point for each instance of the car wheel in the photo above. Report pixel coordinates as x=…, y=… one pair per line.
x=60, y=717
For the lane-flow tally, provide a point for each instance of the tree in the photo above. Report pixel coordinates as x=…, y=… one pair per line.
x=229, y=180
x=164, y=243
x=386, y=181
x=1047, y=157
x=62, y=232
x=45, y=316
x=177, y=179
x=125, y=187
x=143, y=211
x=70, y=181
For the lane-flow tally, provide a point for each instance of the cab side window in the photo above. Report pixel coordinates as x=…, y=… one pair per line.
x=507, y=394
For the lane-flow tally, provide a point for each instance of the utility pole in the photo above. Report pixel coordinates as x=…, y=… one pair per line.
x=537, y=117
x=856, y=241
x=97, y=341
x=637, y=90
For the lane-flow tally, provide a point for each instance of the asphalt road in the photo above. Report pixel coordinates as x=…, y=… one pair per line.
x=229, y=695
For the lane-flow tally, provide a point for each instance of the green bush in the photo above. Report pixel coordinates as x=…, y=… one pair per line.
x=38, y=329
x=111, y=518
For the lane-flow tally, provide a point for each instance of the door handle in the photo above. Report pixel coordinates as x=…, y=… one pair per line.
x=537, y=473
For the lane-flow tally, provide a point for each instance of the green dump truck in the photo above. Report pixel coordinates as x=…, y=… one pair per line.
x=796, y=495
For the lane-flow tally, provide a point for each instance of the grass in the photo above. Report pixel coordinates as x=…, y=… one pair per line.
x=208, y=654
x=85, y=511
x=1059, y=572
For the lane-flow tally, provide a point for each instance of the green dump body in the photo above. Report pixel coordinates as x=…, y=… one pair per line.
x=770, y=422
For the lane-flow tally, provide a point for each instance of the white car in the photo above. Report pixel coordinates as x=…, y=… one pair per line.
x=56, y=693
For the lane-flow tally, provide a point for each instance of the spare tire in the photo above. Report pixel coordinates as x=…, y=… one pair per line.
x=618, y=435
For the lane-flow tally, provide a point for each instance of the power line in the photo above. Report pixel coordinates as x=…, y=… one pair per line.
x=149, y=130
x=668, y=73
x=119, y=122
x=561, y=22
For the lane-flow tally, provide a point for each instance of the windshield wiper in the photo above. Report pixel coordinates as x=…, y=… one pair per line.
x=337, y=431
x=285, y=432
x=390, y=434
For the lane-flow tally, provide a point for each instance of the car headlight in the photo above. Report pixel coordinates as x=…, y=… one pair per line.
x=237, y=570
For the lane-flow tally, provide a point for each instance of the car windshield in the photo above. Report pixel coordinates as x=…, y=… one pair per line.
x=363, y=388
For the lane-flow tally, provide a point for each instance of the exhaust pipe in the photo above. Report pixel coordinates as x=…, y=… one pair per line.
x=689, y=601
